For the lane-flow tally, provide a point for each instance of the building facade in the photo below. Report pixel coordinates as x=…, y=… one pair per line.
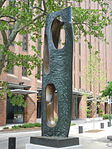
x=19, y=82
x=80, y=62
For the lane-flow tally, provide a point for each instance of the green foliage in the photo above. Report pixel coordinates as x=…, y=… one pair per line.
x=3, y=90
x=89, y=22
x=106, y=116
x=94, y=75
x=107, y=91
x=72, y=124
x=100, y=112
x=27, y=125
x=17, y=99
x=28, y=17
x=16, y=127
x=6, y=128
x=27, y=61
x=88, y=110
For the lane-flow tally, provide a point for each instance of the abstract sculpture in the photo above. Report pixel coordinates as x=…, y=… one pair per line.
x=57, y=75
x=56, y=85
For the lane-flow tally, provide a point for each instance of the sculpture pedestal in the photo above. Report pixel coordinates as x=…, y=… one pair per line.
x=53, y=143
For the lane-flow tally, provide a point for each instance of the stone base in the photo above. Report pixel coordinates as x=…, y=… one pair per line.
x=32, y=146
x=55, y=142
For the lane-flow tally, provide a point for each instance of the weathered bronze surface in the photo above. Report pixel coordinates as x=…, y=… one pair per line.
x=57, y=75
x=56, y=142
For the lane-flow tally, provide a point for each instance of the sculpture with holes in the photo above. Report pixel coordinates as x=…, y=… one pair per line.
x=57, y=83
x=57, y=74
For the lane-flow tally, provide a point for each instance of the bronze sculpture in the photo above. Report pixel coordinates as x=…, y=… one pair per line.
x=57, y=84
x=57, y=75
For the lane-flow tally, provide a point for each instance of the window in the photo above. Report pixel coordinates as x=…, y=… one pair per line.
x=80, y=49
x=79, y=81
x=24, y=71
x=79, y=65
x=25, y=42
x=39, y=72
x=39, y=44
x=11, y=71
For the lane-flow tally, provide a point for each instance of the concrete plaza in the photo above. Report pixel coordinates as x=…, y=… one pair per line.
x=92, y=137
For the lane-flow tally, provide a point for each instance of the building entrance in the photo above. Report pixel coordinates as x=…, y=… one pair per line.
x=75, y=106
x=14, y=113
x=77, y=101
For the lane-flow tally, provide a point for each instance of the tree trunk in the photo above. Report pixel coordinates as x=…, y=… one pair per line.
x=2, y=62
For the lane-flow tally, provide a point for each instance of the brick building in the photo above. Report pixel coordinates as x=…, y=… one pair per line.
x=80, y=61
x=28, y=85
x=19, y=82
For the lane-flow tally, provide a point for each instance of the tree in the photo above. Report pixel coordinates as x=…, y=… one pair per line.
x=107, y=92
x=95, y=77
x=28, y=17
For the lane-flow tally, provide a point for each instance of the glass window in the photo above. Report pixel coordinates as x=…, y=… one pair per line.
x=39, y=44
x=79, y=81
x=39, y=72
x=25, y=42
x=80, y=49
x=79, y=65
x=11, y=71
x=24, y=71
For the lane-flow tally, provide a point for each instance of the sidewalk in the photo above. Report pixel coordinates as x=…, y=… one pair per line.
x=88, y=140
x=93, y=124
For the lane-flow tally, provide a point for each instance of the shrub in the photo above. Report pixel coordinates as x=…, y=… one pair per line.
x=100, y=112
x=88, y=112
x=6, y=128
x=72, y=124
x=26, y=125
x=16, y=127
x=107, y=116
x=37, y=124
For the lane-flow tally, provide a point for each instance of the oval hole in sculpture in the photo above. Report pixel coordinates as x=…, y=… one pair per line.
x=51, y=105
x=58, y=33
x=46, y=56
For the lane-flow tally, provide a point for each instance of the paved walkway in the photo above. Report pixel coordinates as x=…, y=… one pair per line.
x=89, y=124
x=93, y=135
x=89, y=139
